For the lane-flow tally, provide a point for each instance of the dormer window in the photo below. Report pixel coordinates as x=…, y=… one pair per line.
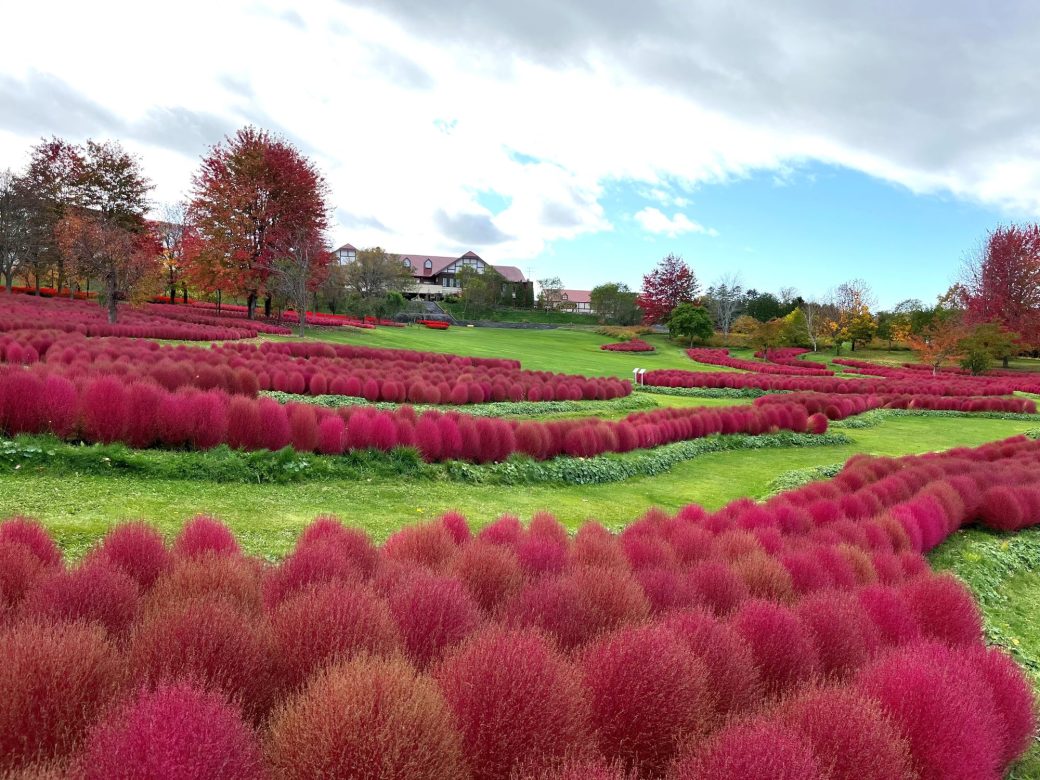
x=428, y=265
x=407, y=263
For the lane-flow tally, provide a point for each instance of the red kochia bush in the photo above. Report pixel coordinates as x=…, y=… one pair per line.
x=432, y=614
x=19, y=569
x=948, y=718
x=944, y=609
x=178, y=731
x=204, y=535
x=647, y=690
x=137, y=549
x=34, y=536
x=330, y=622
x=850, y=735
x=1012, y=698
x=755, y=750
x=780, y=644
x=54, y=680
x=427, y=544
x=366, y=718
x=490, y=572
x=97, y=592
x=211, y=642
x=844, y=635
x=353, y=543
x=735, y=687
x=514, y=698
x=233, y=581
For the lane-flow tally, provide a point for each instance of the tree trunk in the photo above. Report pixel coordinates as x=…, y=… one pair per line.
x=251, y=306
x=1003, y=360
x=301, y=316
x=267, y=306
x=218, y=301
x=110, y=292
x=184, y=291
x=9, y=280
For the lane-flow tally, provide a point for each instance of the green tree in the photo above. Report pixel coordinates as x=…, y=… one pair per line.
x=986, y=343
x=480, y=290
x=374, y=273
x=762, y=306
x=550, y=292
x=615, y=303
x=690, y=320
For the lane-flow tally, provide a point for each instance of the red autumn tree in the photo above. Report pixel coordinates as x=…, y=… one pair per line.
x=253, y=196
x=672, y=282
x=1001, y=282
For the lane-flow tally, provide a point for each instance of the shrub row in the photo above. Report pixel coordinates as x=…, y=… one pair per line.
x=801, y=638
x=1012, y=380
x=142, y=414
x=821, y=384
x=721, y=357
x=30, y=313
x=396, y=376
x=313, y=318
x=838, y=407
x=635, y=345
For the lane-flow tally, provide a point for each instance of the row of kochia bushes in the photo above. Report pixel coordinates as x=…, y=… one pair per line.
x=143, y=414
x=634, y=345
x=1018, y=380
x=838, y=407
x=24, y=313
x=392, y=375
x=781, y=367
x=802, y=638
x=915, y=385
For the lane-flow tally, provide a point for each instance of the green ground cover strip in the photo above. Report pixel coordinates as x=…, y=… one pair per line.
x=80, y=507
x=1003, y=572
x=45, y=454
x=707, y=392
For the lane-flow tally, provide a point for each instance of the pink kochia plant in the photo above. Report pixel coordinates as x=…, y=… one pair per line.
x=804, y=637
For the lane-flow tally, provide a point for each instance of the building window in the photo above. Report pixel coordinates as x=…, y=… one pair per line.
x=428, y=265
x=407, y=263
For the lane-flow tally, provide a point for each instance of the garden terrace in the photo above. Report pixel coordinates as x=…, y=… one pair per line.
x=721, y=357
x=30, y=313
x=809, y=626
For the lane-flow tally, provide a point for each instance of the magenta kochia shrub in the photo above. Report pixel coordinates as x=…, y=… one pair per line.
x=178, y=730
x=515, y=700
x=808, y=627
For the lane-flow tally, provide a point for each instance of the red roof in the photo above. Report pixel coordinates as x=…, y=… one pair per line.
x=510, y=272
x=577, y=296
x=438, y=263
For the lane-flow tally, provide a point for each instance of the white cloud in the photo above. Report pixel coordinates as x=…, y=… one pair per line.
x=655, y=221
x=413, y=109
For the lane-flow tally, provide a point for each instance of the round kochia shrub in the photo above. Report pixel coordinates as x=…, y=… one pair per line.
x=515, y=699
x=780, y=643
x=432, y=614
x=203, y=535
x=177, y=731
x=647, y=691
x=55, y=679
x=755, y=750
x=329, y=622
x=366, y=718
x=946, y=713
x=850, y=735
x=34, y=536
x=97, y=592
x=211, y=642
x=136, y=548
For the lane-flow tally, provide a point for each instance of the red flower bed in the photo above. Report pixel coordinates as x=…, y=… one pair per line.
x=1014, y=380
x=823, y=384
x=838, y=407
x=313, y=318
x=434, y=324
x=150, y=321
x=142, y=413
x=397, y=376
x=526, y=652
x=721, y=357
x=635, y=345
x=50, y=292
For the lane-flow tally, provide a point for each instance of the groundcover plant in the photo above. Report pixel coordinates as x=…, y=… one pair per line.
x=803, y=637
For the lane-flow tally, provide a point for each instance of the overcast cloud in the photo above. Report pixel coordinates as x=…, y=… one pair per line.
x=414, y=108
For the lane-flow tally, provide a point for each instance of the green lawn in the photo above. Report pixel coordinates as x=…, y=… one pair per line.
x=560, y=350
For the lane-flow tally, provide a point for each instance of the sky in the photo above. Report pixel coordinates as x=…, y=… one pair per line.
x=796, y=144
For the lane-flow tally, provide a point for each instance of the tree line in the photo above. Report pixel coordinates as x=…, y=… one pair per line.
x=991, y=313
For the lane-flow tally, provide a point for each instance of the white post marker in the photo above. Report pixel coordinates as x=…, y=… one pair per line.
x=637, y=375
